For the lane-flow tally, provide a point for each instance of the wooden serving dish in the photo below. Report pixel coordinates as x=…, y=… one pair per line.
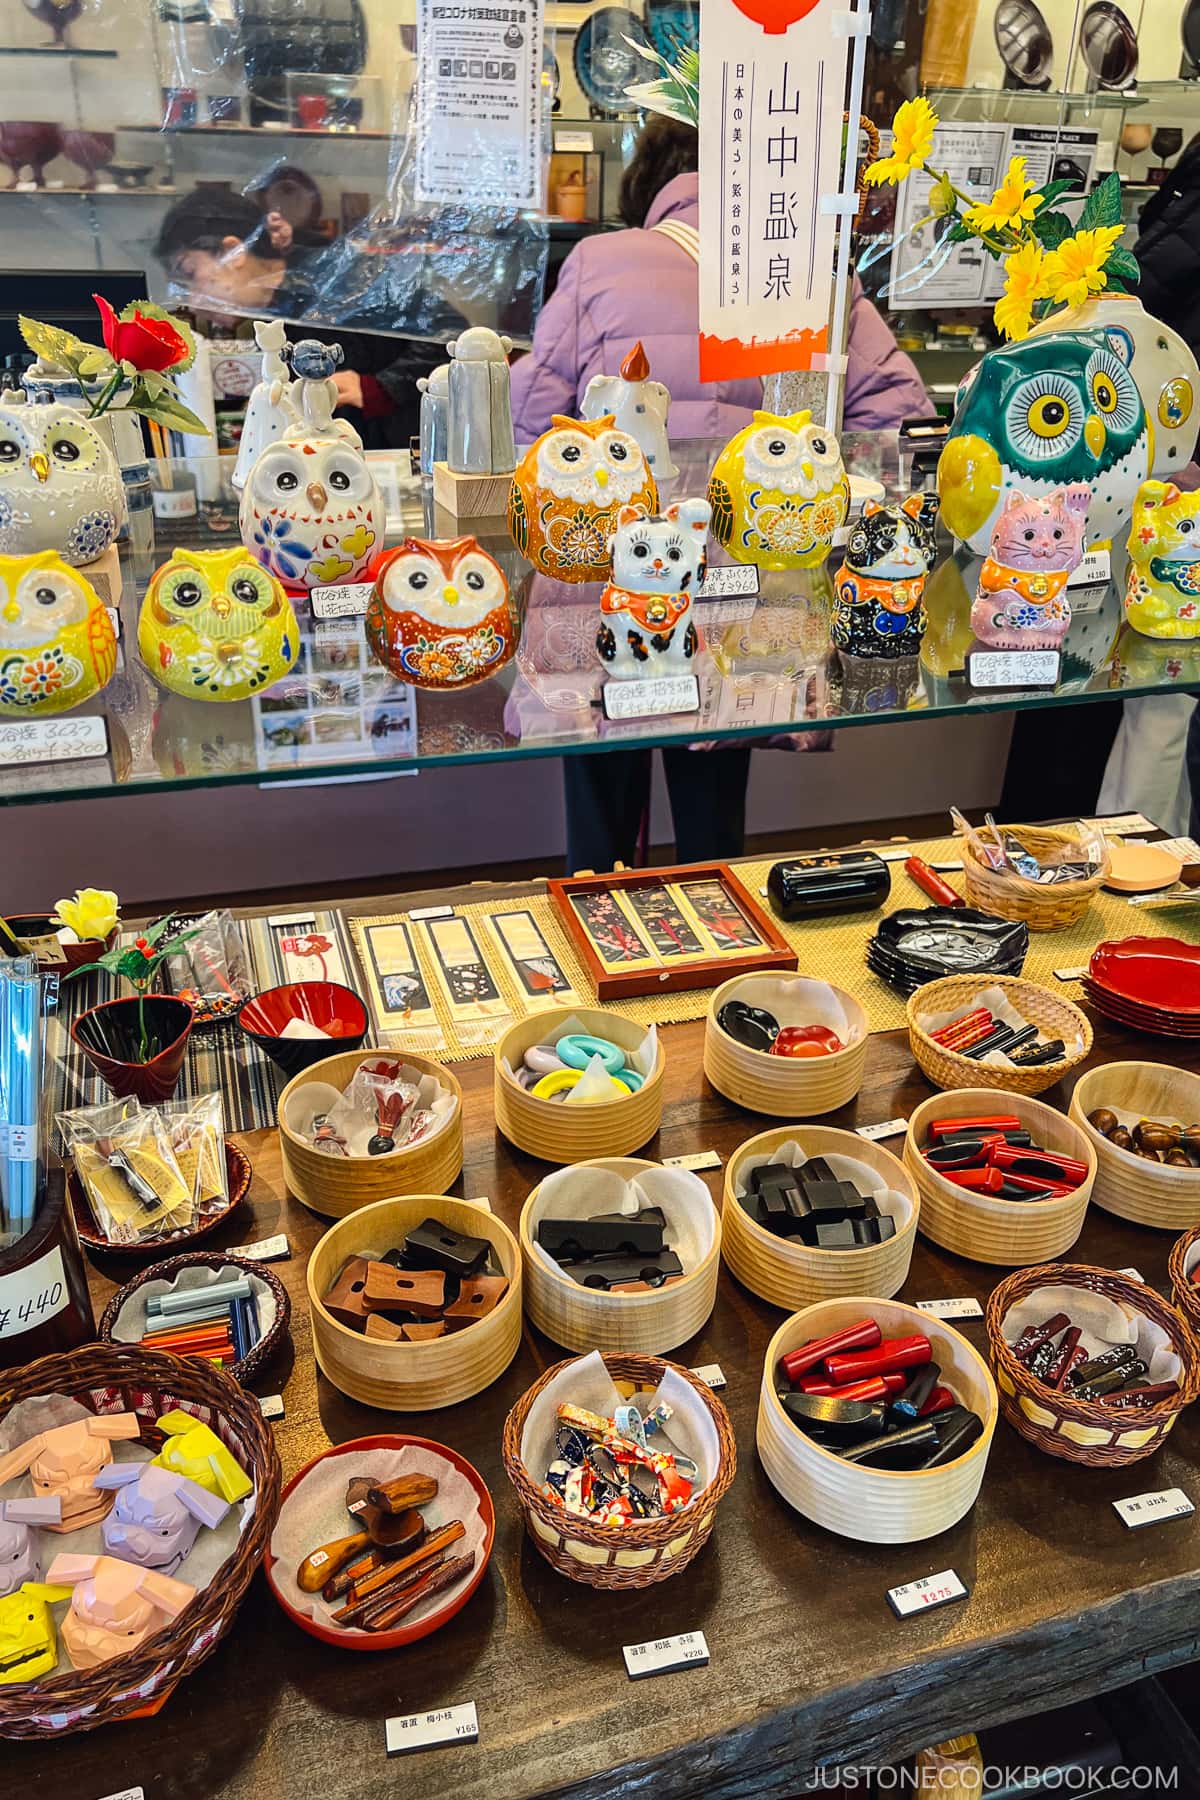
x=791, y=1274
x=1148, y=1193
x=784, y=1086
x=875, y=1506
x=1054, y=1017
x=586, y=1319
x=413, y=1377
x=337, y=1185
x=237, y=1178
x=1012, y=1233
x=556, y=1132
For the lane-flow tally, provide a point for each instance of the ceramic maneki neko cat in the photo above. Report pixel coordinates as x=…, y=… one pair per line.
x=658, y=562
x=1022, y=602
x=881, y=584
x=567, y=491
x=1162, y=592
x=440, y=614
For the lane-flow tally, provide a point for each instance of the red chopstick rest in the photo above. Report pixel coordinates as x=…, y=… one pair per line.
x=879, y=1387
x=864, y=1335
x=937, y=1402
x=1037, y=1162
x=1000, y=1122
x=931, y=883
x=892, y=1355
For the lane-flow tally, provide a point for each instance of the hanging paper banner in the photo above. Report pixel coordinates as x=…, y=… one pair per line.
x=479, y=85
x=772, y=97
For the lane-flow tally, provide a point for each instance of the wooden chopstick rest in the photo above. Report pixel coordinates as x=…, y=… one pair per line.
x=323, y=1563
x=433, y=1546
x=385, y=1329
x=382, y=1619
x=478, y=1296
x=405, y=1492
x=419, y=1291
x=424, y=1330
x=346, y=1300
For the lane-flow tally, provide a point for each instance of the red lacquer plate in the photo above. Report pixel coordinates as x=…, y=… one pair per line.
x=1157, y=1024
x=1163, y=973
x=450, y=1603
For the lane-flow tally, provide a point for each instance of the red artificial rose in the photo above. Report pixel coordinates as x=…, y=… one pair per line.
x=146, y=343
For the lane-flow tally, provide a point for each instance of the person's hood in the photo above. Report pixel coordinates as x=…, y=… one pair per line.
x=680, y=199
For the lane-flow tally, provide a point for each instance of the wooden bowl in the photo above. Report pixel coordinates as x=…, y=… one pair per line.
x=556, y=1132
x=1055, y=1018
x=586, y=1319
x=789, y=1273
x=1012, y=1233
x=1042, y=906
x=337, y=1185
x=422, y=1376
x=1148, y=1193
x=237, y=1179
x=875, y=1506
x=333, y=1008
x=260, y=1353
x=786, y=1087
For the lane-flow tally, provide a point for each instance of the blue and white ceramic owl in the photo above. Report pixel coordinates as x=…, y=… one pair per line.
x=1039, y=416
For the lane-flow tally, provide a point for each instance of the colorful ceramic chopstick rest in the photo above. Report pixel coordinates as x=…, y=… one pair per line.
x=658, y=564
x=20, y=1559
x=1162, y=592
x=440, y=615
x=57, y=643
x=157, y=1515
x=880, y=611
x=195, y=1451
x=779, y=492
x=1022, y=602
x=311, y=513
x=215, y=625
x=567, y=491
x=64, y=1461
x=115, y=1605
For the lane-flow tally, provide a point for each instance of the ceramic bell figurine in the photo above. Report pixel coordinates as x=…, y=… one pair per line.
x=440, y=616
x=638, y=405
x=216, y=625
x=657, y=564
x=57, y=643
x=114, y=1607
x=158, y=1514
x=1039, y=416
x=196, y=1451
x=434, y=390
x=311, y=512
x=64, y=1461
x=19, y=1558
x=881, y=584
x=28, y=1642
x=479, y=404
x=567, y=491
x=1022, y=600
x=268, y=412
x=1162, y=591
x=60, y=487
x=779, y=492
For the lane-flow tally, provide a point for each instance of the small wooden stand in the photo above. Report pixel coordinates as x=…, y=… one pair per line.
x=470, y=496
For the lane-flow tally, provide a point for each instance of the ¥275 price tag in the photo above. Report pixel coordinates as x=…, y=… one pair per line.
x=711, y=1374
x=1153, y=1509
x=889, y=1128
x=924, y=1595
x=662, y=1656
x=966, y=1308
x=428, y=1731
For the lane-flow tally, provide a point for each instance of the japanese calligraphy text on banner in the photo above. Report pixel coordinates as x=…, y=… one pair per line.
x=772, y=97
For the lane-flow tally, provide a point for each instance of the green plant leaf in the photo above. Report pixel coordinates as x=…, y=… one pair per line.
x=958, y=233
x=52, y=344
x=169, y=412
x=1123, y=264
x=1050, y=228
x=1103, y=205
x=1115, y=285
x=1054, y=190
x=94, y=363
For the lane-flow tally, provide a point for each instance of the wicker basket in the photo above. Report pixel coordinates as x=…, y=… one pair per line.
x=262, y=1352
x=1148, y=1193
x=1054, y=1017
x=110, y=1378
x=1012, y=1233
x=1085, y=1431
x=785, y=1087
x=1042, y=906
x=626, y=1556
x=1185, y=1293
x=558, y=1133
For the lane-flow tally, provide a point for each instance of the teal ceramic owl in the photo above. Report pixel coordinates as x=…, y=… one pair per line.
x=1043, y=415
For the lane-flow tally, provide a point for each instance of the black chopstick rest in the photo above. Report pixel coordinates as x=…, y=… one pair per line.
x=615, y=1234
x=902, y=1446
x=906, y=1406
x=1054, y=1051
x=432, y=1245
x=615, y=1271
x=844, y=1421
x=957, y=1429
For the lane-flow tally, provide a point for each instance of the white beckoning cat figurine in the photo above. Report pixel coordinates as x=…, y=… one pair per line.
x=268, y=414
x=640, y=407
x=658, y=562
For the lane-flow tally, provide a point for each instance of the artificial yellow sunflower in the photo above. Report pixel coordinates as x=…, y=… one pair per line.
x=1076, y=268
x=1014, y=202
x=1024, y=282
x=942, y=198
x=912, y=140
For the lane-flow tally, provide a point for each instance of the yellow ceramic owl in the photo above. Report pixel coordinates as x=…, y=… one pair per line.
x=779, y=492
x=1162, y=591
x=567, y=491
x=57, y=643
x=215, y=625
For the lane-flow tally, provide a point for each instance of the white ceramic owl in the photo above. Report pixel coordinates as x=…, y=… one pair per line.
x=60, y=487
x=311, y=512
x=779, y=492
x=567, y=491
x=57, y=644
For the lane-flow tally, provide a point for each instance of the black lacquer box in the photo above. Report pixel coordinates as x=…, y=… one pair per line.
x=807, y=886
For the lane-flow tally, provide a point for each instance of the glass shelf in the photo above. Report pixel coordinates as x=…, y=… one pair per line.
x=998, y=98
x=55, y=50
x=260, y=131
x=767, y=667
x=29, y=192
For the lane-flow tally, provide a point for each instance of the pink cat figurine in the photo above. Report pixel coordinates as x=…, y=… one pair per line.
x=1022, y=601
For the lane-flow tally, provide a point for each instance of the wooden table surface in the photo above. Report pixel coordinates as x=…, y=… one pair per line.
x=808, y=1667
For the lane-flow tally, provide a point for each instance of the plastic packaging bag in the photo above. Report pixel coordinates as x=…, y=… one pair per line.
x=210, y=971
x=1005, y=849
x=125, y=1161
x=197, y=1132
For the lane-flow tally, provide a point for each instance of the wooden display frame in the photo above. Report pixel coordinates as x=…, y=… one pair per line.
x=651, y=973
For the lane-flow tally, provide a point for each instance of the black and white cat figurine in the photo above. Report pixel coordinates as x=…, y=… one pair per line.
x=658, y=562
x=879, y=610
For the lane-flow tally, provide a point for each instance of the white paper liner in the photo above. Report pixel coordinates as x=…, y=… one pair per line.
x=587, y=1383
x=1103, y=1323
x=304, y=1028
x=642, y=1058
x=1000, y=1007
x=314, y=1513
x=130, y=1324
x=690, y=1226
x=891, y=1202
x=314, y=1097
x=798, y=1000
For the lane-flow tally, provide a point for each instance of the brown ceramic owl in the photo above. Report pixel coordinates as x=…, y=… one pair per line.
x=440, y=615
x=567, y=491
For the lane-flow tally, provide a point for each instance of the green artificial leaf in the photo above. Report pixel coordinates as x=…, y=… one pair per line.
x=1103, y=205
x=1123, y=264
x=958, y=233
x=1050, y=228
x=94, y=363
x=150, y=385
x=1115, y=286
x=171, y=413
x=52, y=344
x=1054, y=190
x=131, y=963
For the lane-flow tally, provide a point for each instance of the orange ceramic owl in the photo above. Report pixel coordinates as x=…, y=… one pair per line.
x=216, y=625
x=440, y=614
x=57, y=643
x=567, y=491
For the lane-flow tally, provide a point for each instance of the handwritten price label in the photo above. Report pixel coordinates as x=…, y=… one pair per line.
x=924, y=1595
x=52, y=740
x=1153, y=1509
x=30, y=1296
x=426, y=1731
x=1013, y=668
x=656, y=698
x=662, y=1656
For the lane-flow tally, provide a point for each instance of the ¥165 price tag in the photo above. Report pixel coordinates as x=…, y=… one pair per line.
x=272, y=1249
x=951, y=1309
x=924, y=1595
x=1153, y=1509
x=271, y=1406
x=427, y=1731
x=662, y=1656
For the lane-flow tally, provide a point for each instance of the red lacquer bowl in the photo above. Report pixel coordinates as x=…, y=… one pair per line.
x=335, y=1010
x=109, y=1036
x=448, y=1603
x=1158, y=972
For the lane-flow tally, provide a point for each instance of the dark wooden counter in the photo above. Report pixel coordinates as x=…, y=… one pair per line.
x=808, y=1664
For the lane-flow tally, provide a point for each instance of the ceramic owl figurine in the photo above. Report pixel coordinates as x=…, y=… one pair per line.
x=311, y=512
x=1022, y=599
x=1162, y=590
x=779, y=492
x=638, y=405
x=216, y=626
x=440, y=615
x=567, y=491
x=60, y=487
x=1038, y=416
x=57, y=643
x=657, y=565
x=881, y=584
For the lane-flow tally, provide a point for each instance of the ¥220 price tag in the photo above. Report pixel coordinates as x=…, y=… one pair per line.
x=924, y=1595
x=662, y=1656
